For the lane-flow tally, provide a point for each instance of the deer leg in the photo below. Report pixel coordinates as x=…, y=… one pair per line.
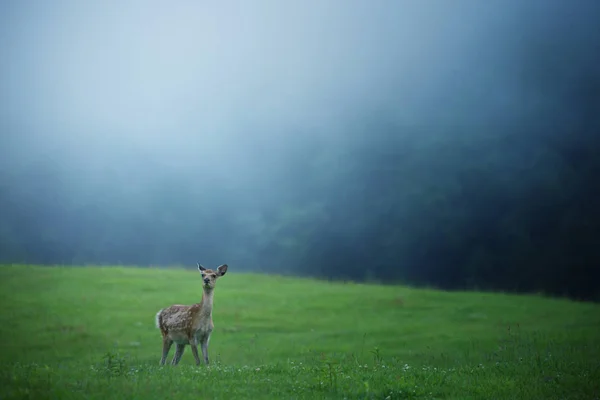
x=178, y=353
x=167, y=343
x=204, y=347
x=194, y=345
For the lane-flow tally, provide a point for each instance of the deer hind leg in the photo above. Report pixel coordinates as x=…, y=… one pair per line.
x=167, y=343
x=178, y=353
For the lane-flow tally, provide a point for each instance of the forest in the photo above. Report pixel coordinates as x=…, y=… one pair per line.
x=473, y=166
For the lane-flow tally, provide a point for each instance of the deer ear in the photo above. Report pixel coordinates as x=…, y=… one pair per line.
x=222, y=269
x=201, y=268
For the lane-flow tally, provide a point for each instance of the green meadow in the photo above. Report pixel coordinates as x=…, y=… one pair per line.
x=88, y=333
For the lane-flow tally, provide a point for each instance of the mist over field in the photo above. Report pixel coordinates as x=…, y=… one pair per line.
x=453, y=144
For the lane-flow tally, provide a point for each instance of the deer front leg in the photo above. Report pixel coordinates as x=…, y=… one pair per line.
x=194, y=345
x=167, y=343
x=204, y=347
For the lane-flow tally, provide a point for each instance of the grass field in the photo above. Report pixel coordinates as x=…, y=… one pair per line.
x=71, y=333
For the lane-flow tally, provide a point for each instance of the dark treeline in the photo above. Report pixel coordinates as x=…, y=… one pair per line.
x=512, y=212
x=484, y=174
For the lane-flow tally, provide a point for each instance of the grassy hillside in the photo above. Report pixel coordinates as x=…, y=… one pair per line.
x=89, y=333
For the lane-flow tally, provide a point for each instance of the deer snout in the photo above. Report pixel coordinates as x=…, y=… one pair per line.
x=206, y=280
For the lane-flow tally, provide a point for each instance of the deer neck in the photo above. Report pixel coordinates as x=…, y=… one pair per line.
x=206, y=305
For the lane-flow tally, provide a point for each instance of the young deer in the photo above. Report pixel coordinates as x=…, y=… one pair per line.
x=190, y=324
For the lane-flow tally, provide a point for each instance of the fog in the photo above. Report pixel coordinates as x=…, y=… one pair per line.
x=347, y=139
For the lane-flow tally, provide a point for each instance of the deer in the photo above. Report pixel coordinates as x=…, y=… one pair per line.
x=190, y=324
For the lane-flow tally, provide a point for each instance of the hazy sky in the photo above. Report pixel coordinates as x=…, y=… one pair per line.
x=205, y=80
x=227, y=98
